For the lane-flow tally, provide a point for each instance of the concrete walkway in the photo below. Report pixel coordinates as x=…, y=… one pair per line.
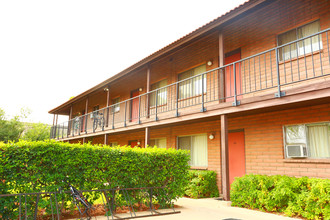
x=209, y=209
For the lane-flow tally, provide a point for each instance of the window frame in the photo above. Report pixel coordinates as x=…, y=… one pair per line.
x=191, y=137
x=158, y=94
x=295, y=52
x=154, y=139
x=115, y=105
x=113, y=144
x=306, y=141
x=188, y=82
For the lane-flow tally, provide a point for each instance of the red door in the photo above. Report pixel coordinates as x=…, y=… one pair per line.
x=236, y=154
x=135, y=106
x=229, y=77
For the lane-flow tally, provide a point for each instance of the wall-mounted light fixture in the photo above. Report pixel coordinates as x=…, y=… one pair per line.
x=209, y=63
x=140, y=89
x=211, y=136
x=105, y=89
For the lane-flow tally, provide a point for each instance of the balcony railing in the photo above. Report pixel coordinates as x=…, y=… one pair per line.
x=263, y=73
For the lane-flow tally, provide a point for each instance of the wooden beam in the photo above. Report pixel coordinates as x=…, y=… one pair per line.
x=224, y=157
x=147, y=137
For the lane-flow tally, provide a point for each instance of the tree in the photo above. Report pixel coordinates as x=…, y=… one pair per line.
x=11, y=130
x=36, y=132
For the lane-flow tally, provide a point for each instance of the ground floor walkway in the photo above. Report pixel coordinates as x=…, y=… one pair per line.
x=212, y=209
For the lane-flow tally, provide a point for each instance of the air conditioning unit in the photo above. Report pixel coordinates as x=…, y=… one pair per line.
x=296, y=151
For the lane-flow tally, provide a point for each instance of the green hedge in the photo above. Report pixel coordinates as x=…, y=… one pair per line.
x=304, y=197
x=202, y=184
x=40, y=166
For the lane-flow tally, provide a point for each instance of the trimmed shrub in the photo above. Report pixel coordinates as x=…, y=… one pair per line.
x=202, y=184
x=304, y=197
x=41, y=166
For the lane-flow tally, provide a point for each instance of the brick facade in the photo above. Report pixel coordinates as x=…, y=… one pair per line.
x=263, y=141
x=251, y=32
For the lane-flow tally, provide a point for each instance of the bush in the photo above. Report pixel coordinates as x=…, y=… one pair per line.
x=304, y=197
x=202, y=184
x=41, y=166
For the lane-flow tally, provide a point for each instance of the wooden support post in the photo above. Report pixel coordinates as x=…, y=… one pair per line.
x=221, y=73
x=224, y=157
x=84, y=140
x=70, y=116
x=86, y=116
x=56, y=119
x=147, y=137
x=148, y=90
x=105, y=139
x=108, y=104
x=53, y=128
x=53, y=120
x=69, y=122
x=86, y=106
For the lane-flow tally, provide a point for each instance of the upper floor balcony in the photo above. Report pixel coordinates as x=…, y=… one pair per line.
x=272, y=73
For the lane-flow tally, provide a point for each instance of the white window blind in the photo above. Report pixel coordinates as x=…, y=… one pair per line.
x=197, y=145
x=160, y=142
x=306, y=46
x=192, y=87
x=116, y=105
x=159, y=96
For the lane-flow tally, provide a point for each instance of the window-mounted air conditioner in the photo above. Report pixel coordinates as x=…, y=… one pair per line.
x=296, y=151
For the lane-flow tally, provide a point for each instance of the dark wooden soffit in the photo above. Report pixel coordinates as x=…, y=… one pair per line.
x=181, y=42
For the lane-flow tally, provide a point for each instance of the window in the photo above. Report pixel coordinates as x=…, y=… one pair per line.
x=197, y=145
x=159, y=96
x=192, y=87
x=306, y=46
x=116, y=106
x=160, y=142
x=113, y=144
x=315, y=136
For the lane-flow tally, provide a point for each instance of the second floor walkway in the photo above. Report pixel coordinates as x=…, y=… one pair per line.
x=294, y=68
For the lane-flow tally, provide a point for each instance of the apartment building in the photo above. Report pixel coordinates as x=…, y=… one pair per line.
x=248, y=92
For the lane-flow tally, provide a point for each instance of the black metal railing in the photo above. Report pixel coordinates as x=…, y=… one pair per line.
x=267, y=72
x=117, y=203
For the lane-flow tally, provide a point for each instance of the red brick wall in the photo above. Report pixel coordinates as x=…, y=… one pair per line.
x=264, y=142
x=95, y=140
